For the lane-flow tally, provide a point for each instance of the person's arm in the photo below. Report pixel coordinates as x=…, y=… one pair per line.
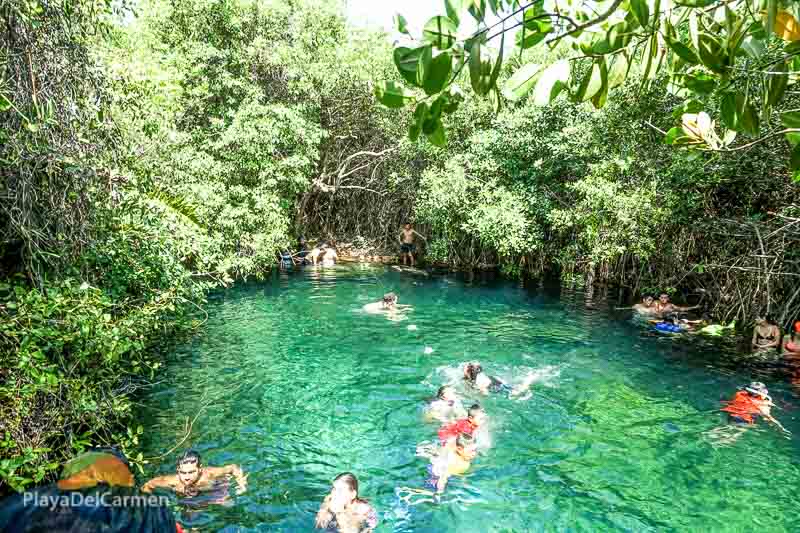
x=776, y=337
x=230, y=470
x=420, y=235
x=324, y=515
x=162, y=482
x=755, y=336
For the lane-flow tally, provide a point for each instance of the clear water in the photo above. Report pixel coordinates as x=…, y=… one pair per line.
x=617, y=435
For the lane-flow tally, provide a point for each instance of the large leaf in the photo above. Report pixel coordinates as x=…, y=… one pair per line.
x=737, y=113
x=711, y=53
x=480, y=69
x=420, y=113
x=477, y=8
x=392, y=95
x=794, y=162
x=599, y=99
x=424, y=64
x=641, y=10
x=453, y=9
x=680, y=49
x=791, y=119
x=401, y=24
x=700, y=83
x=438, y=137
x=440, y=32
x=777, y=83
x=618, y=71
x=528, y=37
x=407, y=61
x=591, y=84
x=551, y=82
x=438, y=73
x=522, y=81
x=786, y=26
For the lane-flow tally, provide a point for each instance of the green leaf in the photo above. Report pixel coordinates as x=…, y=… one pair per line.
x=407, y=61
x=392, y=95
x=641, y=10
x=776, y=85
x=712, y=54
x=750, y=120
x=772, y=13
x=454, y=97
x=521, y=82
x=690, y=106
x=618, y=71
x=791, y=119
x=5, y=103
x=701, y=83
x=498, y=63
x=680, y=49
x=438, y=137
x=477, y=8
x=480, y=69
x=453, y=9
x=527, y=38
x=695, y=3
x=599, y=99
x=440, y=32
x=794, y=162
x=401, y=24
x=437, y=74
x=591, y=84
x=793, y=138
x=753, y=47
x=420, y=113
x=673, y=134
x=738, y=114
x=551, y=82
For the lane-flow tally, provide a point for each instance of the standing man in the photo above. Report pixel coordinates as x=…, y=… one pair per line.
x=407, y=243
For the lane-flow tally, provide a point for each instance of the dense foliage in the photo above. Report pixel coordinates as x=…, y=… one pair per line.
x=145, y=160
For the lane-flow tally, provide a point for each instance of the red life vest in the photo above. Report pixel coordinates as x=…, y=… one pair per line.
x=743, y=406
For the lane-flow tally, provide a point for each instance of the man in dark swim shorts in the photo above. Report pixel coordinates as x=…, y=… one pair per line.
x=407, y=246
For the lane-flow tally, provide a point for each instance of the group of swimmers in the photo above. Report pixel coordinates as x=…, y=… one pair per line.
x=324, y=254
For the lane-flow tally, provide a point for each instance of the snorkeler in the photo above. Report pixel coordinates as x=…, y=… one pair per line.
x=343, y=511
x=750, y=403
x=191, y=477
x=451, y=461
x=476, y=417
x=445, y=407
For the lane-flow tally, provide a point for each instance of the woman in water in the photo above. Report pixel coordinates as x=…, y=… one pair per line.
x=791, y=345
x=343, y=510
x=445, y=407
x=766, y=334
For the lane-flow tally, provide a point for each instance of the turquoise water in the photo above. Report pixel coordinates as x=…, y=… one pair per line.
x=620, y=432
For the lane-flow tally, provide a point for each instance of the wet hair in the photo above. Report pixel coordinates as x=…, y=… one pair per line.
x=389, y=297
x=440, y=392
x=473, y=410
x=770, y=320
x=190, y=457
x=352, y=483
x=464, y=439
x=471, y=371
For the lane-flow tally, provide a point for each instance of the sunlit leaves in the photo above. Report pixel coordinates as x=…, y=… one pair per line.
x=786, y=26
x=641, y=10
x=776, y=84
x=551, y=82
x=480, y=68
x=407, y=62
x=440, y=32
x=522, y=81
x=437, y=73
x=401, y=24
x=392, y=95
x=591, y=83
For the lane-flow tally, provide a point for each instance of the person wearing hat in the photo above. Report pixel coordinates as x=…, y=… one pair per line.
x=750, y=403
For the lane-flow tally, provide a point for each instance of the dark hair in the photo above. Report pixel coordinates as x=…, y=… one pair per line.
x=352, y=483
x=471, y=371
x=191, y=457
x=464, y=439
x=473, y=410
x=389, y=297
x=440, y=392
x=770, y=320
x=406, y=223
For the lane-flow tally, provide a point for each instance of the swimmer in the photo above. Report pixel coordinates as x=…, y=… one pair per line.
x=329, y=257
x=476, y=418
x=451, y=461
x=647, y=306
x=316, y=253
x=388, y=303
x=766, y=334
x=343, y=511
x=475, y=376
x=445, y=407
x=791, y=345
x=750, y=403
x=664, y=307
x=191, y=477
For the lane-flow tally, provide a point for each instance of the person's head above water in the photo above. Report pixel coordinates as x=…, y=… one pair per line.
x=446, y=393
x=471, y=371
x=758, y=389
x=389, y=299
x=189, y=468
x=476, y=414
x=344, y=492
x=466, y=446
x=663, y=298
x=647, y=300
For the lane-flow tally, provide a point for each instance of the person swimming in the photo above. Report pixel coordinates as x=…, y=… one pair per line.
x=766, y=334
x=343, y=510
x=191, y=477
x=647, y=306
x=476, y=418
x=475, y=376
x=387, y=303
x=451, y=461
x=749, y=404
x=445, y=407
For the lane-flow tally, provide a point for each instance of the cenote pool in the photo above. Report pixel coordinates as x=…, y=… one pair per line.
x=620, y=431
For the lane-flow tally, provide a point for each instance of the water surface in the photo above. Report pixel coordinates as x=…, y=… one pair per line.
x=291, y=381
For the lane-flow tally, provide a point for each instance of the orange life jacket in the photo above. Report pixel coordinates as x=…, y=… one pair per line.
x=743, y=406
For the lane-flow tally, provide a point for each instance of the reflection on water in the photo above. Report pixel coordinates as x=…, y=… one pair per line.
x=617, y=433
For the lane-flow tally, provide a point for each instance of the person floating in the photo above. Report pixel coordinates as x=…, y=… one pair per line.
x=343, y=511
x=445, y=407
x=766, y=334
x=191, y=477
x=95, y=494
x=407, y=245
x=750, y=403
x=664, y=307
x=387, y=303
x=647, y=306
x=476, y=417
x=451, y=461
x=791, y=344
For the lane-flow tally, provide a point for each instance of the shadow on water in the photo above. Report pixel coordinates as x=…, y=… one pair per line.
x=296, y=384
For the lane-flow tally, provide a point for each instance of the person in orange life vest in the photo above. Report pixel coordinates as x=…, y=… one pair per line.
x=751, y=403
x=476, y=417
